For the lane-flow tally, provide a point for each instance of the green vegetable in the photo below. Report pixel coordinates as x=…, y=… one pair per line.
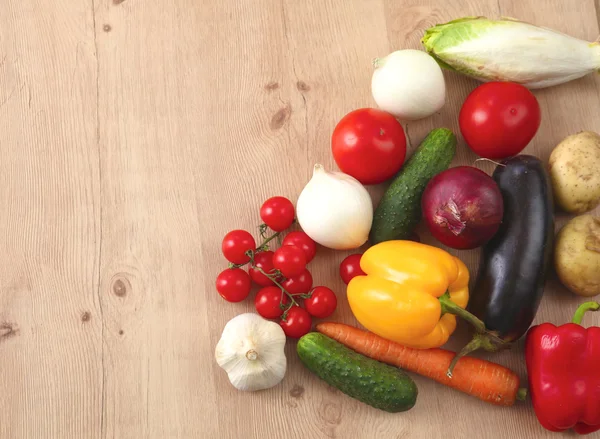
x=399, y=211
x=369, y=381
x=510, y=50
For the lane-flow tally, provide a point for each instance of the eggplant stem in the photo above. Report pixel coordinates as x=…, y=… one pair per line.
x=473, y=345
x=486, y=341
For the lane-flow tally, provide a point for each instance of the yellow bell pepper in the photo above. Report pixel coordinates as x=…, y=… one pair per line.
x=410, y=293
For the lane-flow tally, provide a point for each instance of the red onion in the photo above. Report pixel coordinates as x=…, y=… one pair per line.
x=462, y=207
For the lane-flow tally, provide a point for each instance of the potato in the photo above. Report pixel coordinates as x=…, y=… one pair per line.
x=577, y=255
x=575, y=172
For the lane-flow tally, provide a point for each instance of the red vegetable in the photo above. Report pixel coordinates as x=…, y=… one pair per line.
x=277, y=213
x=302, y=240
x=264, y=261
x=499, y=119
x=235, y=245
x=299, y=284
x=562, y=366
x=290, y=260
x=268, y=302
x=350, y=268
x=321, y=303
x=233, y=284
x=369, y=144
x=297, y=322
x=462, y=207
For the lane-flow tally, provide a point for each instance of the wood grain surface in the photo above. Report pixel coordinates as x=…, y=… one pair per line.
x=134, y=135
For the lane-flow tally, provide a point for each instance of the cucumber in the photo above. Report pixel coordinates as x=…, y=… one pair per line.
x=399, y=211
x=371, y=382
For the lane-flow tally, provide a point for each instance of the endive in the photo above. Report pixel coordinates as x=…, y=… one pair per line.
x=510, y=50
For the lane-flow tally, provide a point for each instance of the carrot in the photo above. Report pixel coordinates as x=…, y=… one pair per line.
x=482, y=379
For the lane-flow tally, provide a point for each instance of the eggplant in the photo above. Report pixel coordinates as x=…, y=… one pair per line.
x=514, y=264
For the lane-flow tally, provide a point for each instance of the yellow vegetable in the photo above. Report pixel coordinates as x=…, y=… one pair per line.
x=577, y=255
x=575, y=172
x=410, y=293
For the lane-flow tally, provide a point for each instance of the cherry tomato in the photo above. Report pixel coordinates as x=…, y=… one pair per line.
x=235, y=245
x=297, y=323
x=302, y=240
x=264, y=261
x=290, y=260
x=369, y=144
x=268, y=300
x=499, y=119
x=299, y=284
x=350, y=267
x=322, y=302
x=277, y=213
x=233, y=284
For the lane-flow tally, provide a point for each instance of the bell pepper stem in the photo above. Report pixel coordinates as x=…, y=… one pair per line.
x=449, y=307
x=583, y=308
x=521, y=394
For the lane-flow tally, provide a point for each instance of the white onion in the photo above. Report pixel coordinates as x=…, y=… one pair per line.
x=335, y=210
x=408, y=84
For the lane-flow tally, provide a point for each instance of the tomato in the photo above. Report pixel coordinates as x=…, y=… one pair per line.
x=290, y=260
x=235, y=245
x=499, y=119
x=277, y=213
x=350, y=267
x=264, y=261
x=322, y=302
x=369, y=144
x=233, y=284
x=302, y=240
x=268, y=301
x=299, y=284
x=297, y=323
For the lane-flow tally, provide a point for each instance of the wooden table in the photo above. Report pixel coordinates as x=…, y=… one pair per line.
x=134, y=135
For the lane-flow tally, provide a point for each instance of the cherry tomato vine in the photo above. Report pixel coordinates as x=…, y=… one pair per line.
x=285, y=271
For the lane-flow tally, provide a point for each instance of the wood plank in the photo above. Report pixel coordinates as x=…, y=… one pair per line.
x=152, y=116
x=50, y=326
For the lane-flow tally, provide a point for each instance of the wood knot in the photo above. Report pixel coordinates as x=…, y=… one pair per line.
x=279, y=118
x=120, y=285
x=107, y=28
x=8, y=330
x=302, y=86
x=272, y=86
x=121, y=332
x=86, y=316
x=331, y=413
x=297, y=391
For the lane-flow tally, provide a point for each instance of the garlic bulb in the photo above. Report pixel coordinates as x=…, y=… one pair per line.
x=251, y=352
x=335, y=210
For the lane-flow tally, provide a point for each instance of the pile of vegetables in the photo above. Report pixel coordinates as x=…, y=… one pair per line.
x=409, y=295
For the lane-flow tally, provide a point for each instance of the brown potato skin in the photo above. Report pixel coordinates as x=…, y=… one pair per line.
x=574, y=168
x=577, y=255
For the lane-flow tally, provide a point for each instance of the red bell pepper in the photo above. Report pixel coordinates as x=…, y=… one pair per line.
x=563, y=364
